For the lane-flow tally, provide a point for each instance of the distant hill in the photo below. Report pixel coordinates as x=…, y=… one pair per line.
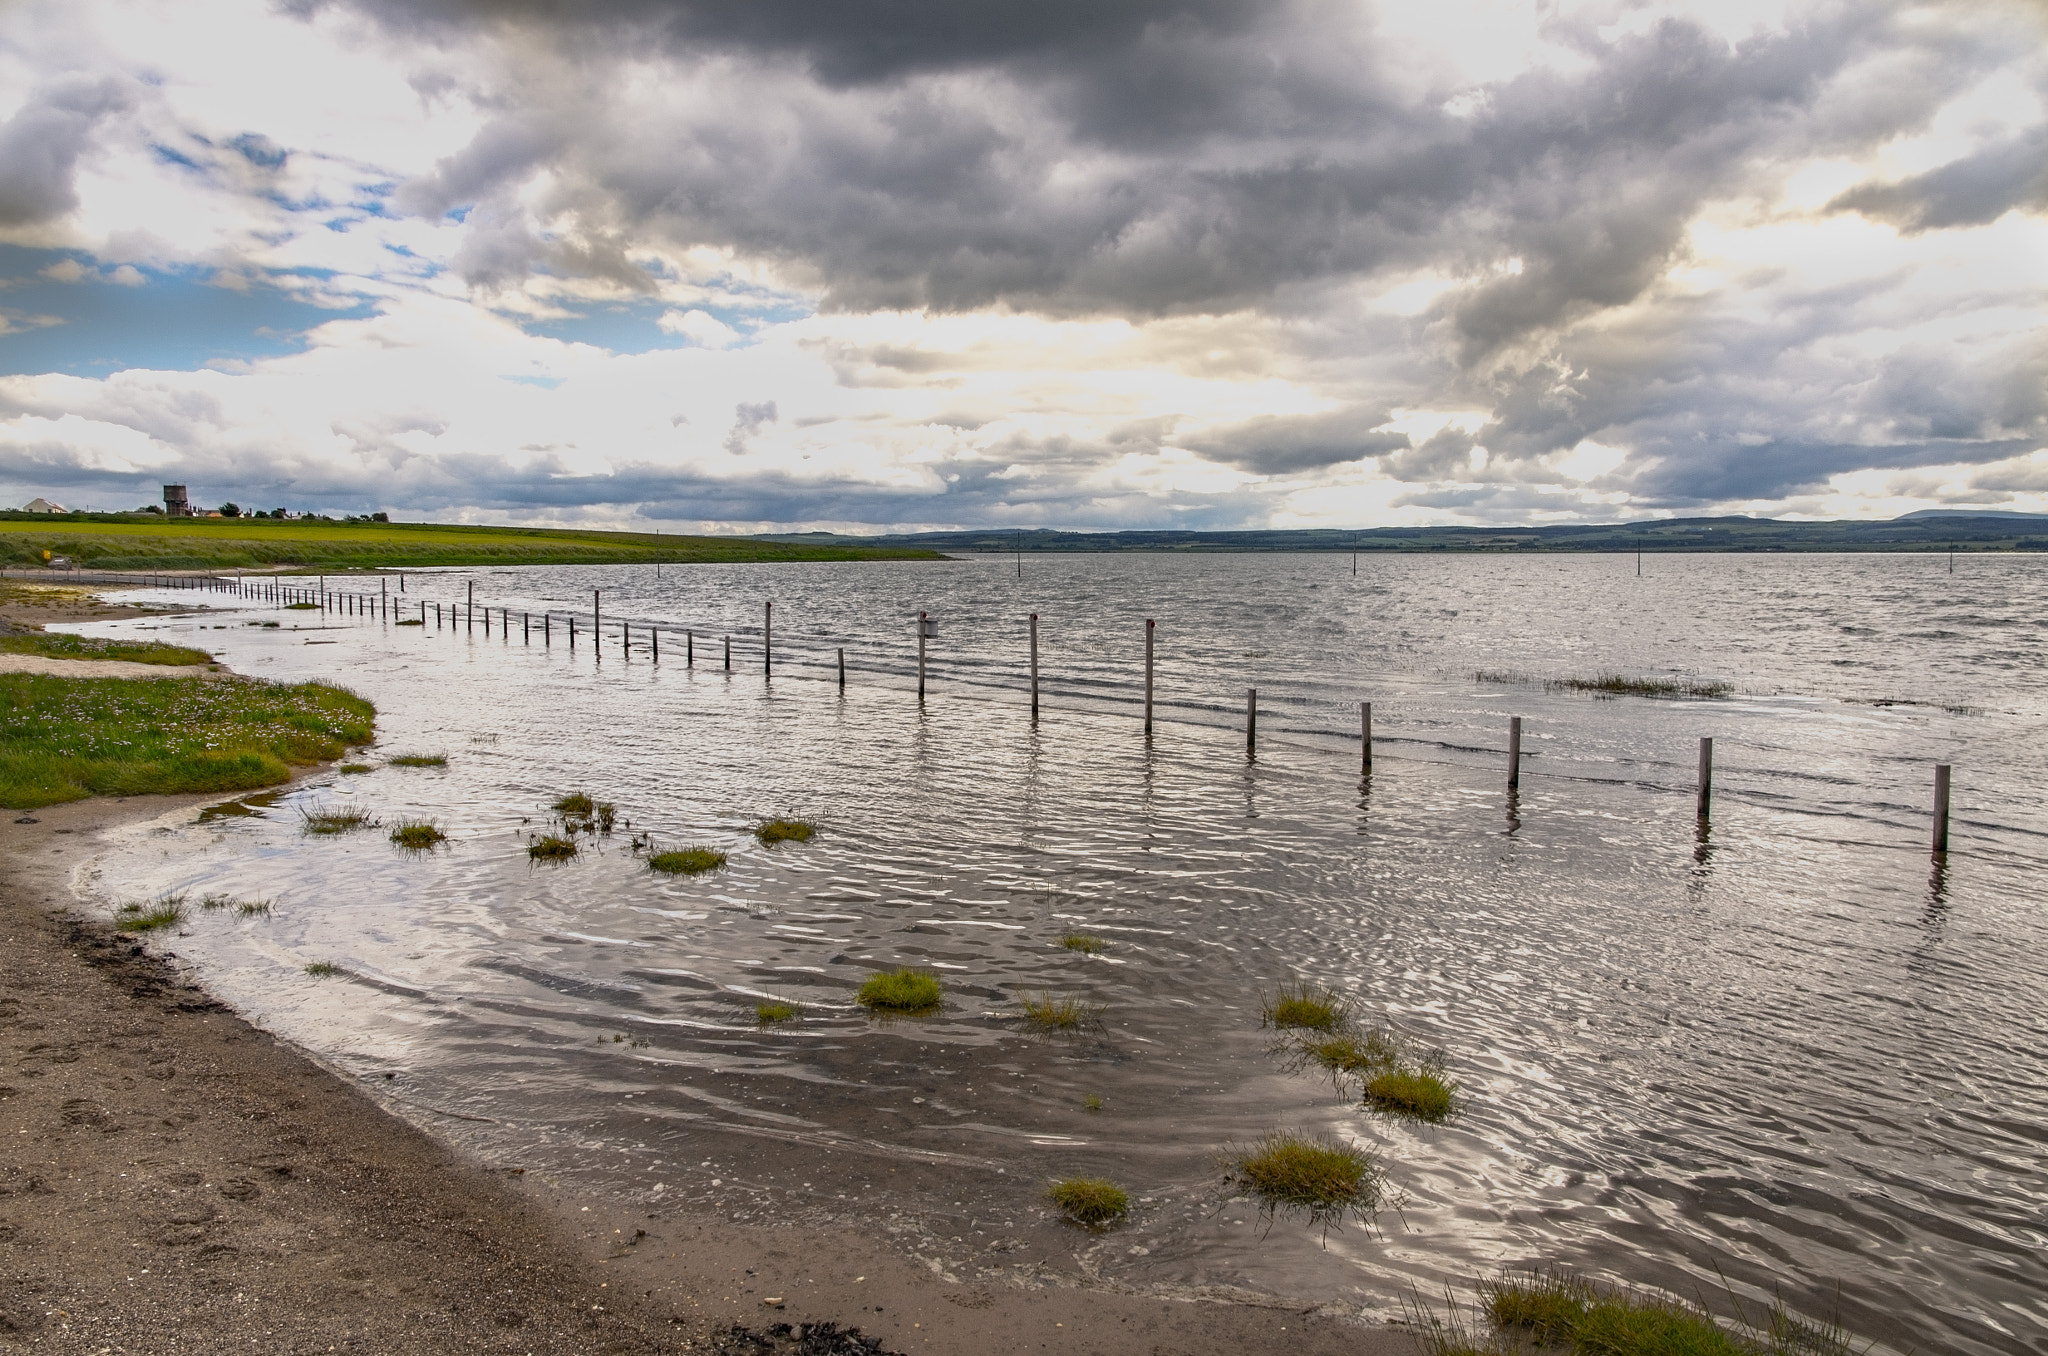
x=1930, y=530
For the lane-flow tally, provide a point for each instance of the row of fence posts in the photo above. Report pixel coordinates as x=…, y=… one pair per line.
x=927, y=629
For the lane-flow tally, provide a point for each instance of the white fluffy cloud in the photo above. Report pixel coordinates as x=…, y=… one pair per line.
x=1134, y=263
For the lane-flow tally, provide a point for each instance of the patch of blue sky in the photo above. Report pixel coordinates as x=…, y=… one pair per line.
x=544, y=383
x=628, y=327
x=170, y=322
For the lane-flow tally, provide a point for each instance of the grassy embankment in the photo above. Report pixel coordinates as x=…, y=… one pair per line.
x=59, y=645
x=119, y=541
x=69, y=738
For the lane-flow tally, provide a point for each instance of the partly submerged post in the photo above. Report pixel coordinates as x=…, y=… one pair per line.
x=1034, y=666
x=596, y=615
x=728, y=654
x=1148, y=676
x=842, y=668
x=469, y=616
x=768, y=641
x=920, y=653
x=1251, y=722
x=547, y=631
x=1941, y=809
x=1365, y=737
x=1706, y=793
x=572, y=635
x=1514, y=751
x=654, y=643
x=526, y=628
x=689, y=648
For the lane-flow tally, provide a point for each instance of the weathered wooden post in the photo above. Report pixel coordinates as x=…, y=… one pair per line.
x=842, y=668
x=1251, y=722
x=487, y=621
x=1514, y=752
x=572, y=635
x=1148, y=677
x=526, y=628
x=596, y=616
x=768, y=641
x=470, y=615
x=1365, y=738
x=1941, y=771
x=1706, y=791
x=689, y=649
x=728, y=654
x=920, y=654
x=1034, y=666
x=654, y=643
x=547, y=631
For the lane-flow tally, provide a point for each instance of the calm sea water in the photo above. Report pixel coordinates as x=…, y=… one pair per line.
x=1788, y=1053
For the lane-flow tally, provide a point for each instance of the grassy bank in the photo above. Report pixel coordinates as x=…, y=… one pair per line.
x=116, y=541
x=68, y=738
x=58, y=645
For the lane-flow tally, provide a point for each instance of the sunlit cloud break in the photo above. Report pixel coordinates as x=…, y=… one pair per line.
x=791, y=264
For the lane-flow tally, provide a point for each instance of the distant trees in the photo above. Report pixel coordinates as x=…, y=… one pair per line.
x=231, y=509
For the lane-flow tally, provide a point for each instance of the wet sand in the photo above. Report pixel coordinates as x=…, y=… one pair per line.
x=179, y=1181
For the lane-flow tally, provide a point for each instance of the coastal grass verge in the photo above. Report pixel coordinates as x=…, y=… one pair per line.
x=64, y=739
x=418, y=835
x=1093, y=1202
x=900, y=992
x=1050, y=1016
x=551, y=847
x=1304, y=1007
x=686, y=861
x=1551, y=1310
x=418, y=760
x=58, y=645
x=1290, y=1172
x=769, y=832
x=1085, y=943
x=166, y=911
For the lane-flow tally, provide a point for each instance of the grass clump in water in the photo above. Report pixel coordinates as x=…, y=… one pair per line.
x=324, y=969
x=418, y=835
x=418, y=760
x=354, y=769
x=551, y=848
x=1397, y=1076
x=1059, y=1016
x=1622, y=685
x=215, y=903
x=1304, y=1007
x=900, y=991
x=581, y=814
x=576, y=805
x=324, y=820
x=164, y=912
x=687, y=861
x=302, y=607
x=410, y=621
x=1084, y=943
x=253, y=906
x=1095, y=1202
x=773, y=831
x=69, y=738
x=1289, y=1172
x=1415, y=1093
x=771, y=1013
x=1091, y=1103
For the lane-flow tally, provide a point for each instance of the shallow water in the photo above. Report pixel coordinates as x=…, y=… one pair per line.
x=1788, y=1051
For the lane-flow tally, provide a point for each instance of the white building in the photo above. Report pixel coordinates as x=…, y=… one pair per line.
x=43, y=506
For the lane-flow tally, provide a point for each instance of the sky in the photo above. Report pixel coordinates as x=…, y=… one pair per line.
x=898, y=265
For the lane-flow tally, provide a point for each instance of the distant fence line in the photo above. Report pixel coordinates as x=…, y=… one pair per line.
x=388, y=606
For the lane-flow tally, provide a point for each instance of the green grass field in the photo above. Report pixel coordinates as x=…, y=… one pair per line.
x=69, y=738
x=120, y=541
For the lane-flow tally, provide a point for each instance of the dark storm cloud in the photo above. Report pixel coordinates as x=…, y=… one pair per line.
x=1282, y=444
x=1966, y=192
x=41, y=144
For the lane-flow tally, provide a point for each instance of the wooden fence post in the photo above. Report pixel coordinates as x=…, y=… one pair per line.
x=1514, y=752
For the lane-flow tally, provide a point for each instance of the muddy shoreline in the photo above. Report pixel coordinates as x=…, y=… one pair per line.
x=181, y=1180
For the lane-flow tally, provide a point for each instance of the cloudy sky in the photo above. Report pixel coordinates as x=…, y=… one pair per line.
x=868, y=264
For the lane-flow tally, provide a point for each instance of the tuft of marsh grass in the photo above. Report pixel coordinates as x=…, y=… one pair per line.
x=773, y=831
x=900, y=991
x=551, y=848
x=215, y=903
x=1084, y=943
x=1304, y=1007
x=418, y=835
x=253, y=906
x=1397, y=1076
x=687, y=861
x=412, y=621
x=302, y=607
x=1622, y=685
x=1415, y=1093
x=1091, y=1103
x=1058, y=1016
x=770, y=1013
x=1289, y=1172
x=1095, y=1202
x=354, y=769
x=323, y=969
x=1547, y=1306
x=575, y=805
x=163, y=912
x=581, y=814
x=68, y=738
x=418, y=760
x=322, y=820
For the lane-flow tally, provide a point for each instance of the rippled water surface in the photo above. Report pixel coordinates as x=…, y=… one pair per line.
x=1788, y=1049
